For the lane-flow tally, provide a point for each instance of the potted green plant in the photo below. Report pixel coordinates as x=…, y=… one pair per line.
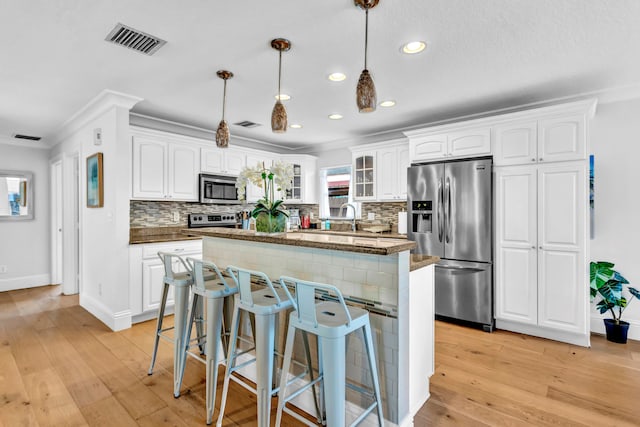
x=608, y=283
x=269, y=212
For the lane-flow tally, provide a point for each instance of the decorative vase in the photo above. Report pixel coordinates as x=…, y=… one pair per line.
x=616, y=332
x=266, y=223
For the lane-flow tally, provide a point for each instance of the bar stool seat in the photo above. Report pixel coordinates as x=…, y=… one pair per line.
x=331, y=322
x=265, y=304
x=210, y=284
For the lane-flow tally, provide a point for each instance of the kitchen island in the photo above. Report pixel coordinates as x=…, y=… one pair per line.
x=378, y=274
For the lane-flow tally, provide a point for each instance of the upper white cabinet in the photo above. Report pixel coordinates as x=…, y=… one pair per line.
x=164, y=170
x=379, y=171
x=546, y=140
x=458, y=143
x=305, y=179
x=364, y=175
x=228, y=161
x=392, y=165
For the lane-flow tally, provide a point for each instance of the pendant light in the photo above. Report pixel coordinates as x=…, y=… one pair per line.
x=279, y=113
x=222, y=133
x=366, y=91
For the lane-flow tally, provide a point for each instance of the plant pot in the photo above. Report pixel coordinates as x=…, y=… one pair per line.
x=616, y=332
x=266, y=223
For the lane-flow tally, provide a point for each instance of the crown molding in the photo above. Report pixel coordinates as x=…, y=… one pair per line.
x=105, y=100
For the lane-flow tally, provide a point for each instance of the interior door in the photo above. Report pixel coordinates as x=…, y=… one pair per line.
x=56, y=223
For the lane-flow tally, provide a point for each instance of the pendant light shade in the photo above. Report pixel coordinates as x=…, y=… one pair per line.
x=222, y=133
x=279, y=113
x=366, y=97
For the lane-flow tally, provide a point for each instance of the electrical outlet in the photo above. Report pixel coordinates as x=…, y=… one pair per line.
x=176, y=216
x=3, y=269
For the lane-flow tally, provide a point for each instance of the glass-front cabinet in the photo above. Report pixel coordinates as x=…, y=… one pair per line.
x=295, y=192
x=364, y=173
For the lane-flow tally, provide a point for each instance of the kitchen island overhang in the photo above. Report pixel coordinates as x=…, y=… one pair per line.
x=378, y=274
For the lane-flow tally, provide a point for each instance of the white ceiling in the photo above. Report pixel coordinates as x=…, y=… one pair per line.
x=482, y=55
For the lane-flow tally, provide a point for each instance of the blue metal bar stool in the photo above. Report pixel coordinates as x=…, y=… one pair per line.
x=210, y=284
x=265, y=303
x=181, y=281
x=331, y=322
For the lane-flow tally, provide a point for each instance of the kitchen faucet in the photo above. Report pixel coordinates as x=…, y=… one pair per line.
x=353, y=222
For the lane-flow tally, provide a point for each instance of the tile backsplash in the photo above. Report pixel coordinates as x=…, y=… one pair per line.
x=145, y=213
x=384, y=211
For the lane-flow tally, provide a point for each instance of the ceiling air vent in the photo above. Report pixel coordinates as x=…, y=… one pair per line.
x=134, y=39
x=247, y=124
x=29, y=137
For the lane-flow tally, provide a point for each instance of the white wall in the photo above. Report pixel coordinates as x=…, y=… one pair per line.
x=615, y=143
x=24, y=244
x=338, y=157
x=104, y=235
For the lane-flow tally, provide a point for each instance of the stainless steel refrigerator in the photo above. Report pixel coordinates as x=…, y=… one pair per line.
x=450, y=215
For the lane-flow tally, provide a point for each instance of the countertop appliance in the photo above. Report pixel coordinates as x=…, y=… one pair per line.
x=220, y=219
x=219, y=189
x=450, y=215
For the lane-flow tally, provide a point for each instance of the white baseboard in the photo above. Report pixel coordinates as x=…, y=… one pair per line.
x=539, y=331
x=597, y=326
x=24, y=282
x=116, y=321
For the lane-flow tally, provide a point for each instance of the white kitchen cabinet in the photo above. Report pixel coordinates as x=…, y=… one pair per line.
x=146, y=275
x=541, y=276
x=461, y=143
x=226, y=161
x=547, y=140
x=391, y=173
x=305, y=179
x=562, y=138
x=364, y=176
x=164, y=170
x=516, y=143
x=516, y=245
x=562, y=233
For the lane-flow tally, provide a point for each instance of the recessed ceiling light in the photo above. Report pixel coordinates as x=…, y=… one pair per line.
x=388, y=103
x=335, y=116
x=414, y=47
x=337, y=77
x=283, y=97
x=295, y=126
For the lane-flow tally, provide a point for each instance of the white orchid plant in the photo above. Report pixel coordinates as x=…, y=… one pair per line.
x=278, y=178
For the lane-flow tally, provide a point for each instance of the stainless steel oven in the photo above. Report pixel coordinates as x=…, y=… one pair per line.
x=218, y=189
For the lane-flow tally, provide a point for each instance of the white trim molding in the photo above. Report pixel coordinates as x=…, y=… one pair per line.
x=106, y=100
x=25, y=282
x=115, y=321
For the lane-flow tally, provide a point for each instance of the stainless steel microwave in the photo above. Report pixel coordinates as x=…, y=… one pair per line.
x=218, y=189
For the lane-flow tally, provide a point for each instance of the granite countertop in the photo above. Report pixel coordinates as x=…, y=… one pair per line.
x=361, y=244
x=141, y=235
x=359, y=233
x=419, y=261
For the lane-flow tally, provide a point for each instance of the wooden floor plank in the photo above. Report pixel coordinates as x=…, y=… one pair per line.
x=50, y=400
x=107, y=413
x=59, y=365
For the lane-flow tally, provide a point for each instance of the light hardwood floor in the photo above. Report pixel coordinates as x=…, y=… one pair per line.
x=61, y=366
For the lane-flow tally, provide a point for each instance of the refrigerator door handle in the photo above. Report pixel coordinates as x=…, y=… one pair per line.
x=440, y=210
x=447, y=214
x=461, y=269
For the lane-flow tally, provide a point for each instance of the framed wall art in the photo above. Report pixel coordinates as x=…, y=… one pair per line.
x=95, y=183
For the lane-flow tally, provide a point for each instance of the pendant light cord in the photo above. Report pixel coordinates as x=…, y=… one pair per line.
x=279, y=73
x=224, y=98
x=366, y=36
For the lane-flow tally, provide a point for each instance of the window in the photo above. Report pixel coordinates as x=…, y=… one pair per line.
x=337, y=189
